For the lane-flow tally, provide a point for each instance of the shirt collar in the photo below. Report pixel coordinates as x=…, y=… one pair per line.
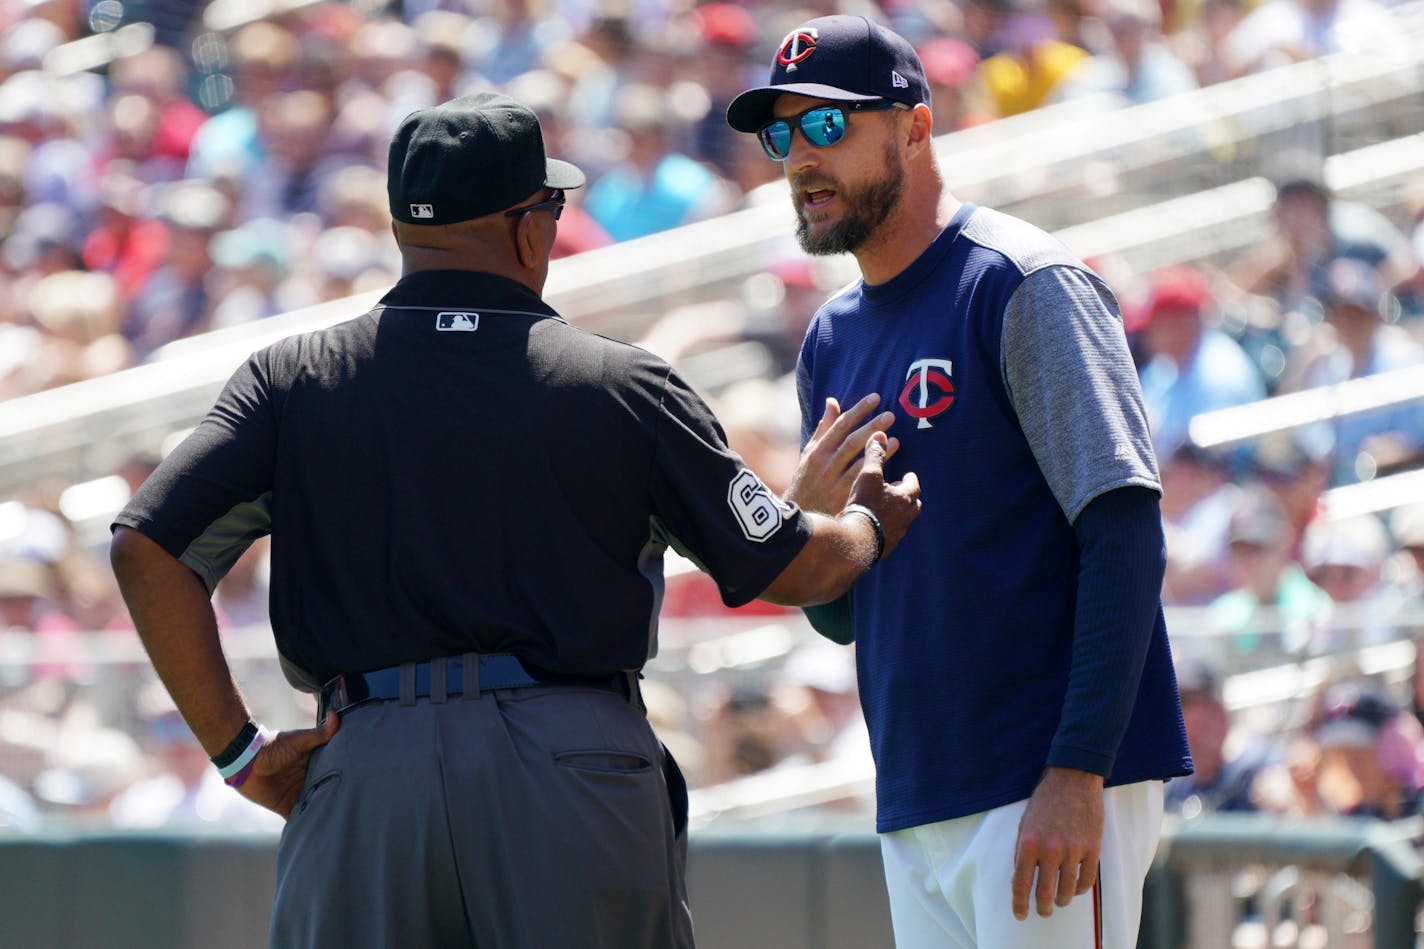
x=462, y=289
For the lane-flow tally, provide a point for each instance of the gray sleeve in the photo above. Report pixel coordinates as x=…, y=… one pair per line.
x=212, y=554
x=1071, y=380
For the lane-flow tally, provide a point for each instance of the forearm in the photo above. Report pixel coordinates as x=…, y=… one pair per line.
x=839, y=551
x=174, y=618
x=1121, y=565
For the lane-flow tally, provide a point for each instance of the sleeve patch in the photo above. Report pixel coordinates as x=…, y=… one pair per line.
x=759, y=512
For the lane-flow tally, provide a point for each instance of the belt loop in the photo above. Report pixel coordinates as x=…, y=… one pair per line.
x=407, y=683
x=635, y=694
x=439, y=685
x=470, y=670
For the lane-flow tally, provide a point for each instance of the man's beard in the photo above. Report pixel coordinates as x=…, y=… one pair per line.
x=865, y=211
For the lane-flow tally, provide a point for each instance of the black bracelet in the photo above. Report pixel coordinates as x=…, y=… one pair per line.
x=237, y=746
x=869, y=515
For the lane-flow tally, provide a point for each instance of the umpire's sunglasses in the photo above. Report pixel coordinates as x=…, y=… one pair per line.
x=823, y=126
x=554, y=205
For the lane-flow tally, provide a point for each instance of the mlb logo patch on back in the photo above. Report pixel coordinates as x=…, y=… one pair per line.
x=457, y=322
x=422, y=210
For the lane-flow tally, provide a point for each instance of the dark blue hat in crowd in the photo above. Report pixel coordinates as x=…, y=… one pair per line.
x=841, y=58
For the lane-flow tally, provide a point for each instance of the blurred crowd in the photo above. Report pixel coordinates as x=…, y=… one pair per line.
x=217, y=170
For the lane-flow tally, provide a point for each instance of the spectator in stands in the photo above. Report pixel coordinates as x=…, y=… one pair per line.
x=158, y=76
x=1312, y=228
x=1139, y=65
x=747, y=729
x=293, y=129
x=1291, y=788
x=1362, y=343
x=1294, y=468
x=124, y=242
x=514, y=36
x=1032, y=65
x=1198, y=498
x=1192, y=366
x=1406, y=525
x=1279, y=32
x=951, y=67
x=1202, y=45
x=1346, y=559
x=832, y=722
x=1274, y=611
x=724, y=34
x=652, y=188
x=1226, y=764
x=266, y=59
x=77, y=314
x=176, y=300
x=251, y=263
x=441, y=52
x=45, y=240
x=1370, y=752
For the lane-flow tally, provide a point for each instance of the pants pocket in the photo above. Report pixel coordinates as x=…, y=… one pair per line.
x=604, y=761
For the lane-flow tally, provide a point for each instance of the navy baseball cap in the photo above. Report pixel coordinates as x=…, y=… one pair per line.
x=842, y=58
x=470, y=157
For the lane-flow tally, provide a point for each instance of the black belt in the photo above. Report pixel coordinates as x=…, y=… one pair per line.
x=496, y=671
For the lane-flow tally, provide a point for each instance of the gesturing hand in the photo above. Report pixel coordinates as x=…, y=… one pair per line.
x=829, y=463
x=281, y=766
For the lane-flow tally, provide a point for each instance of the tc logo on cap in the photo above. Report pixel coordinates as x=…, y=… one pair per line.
x=422, y=210
x=798, y=45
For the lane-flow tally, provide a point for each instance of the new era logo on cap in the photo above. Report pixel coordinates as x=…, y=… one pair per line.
x=422, y=210
x=898, y=81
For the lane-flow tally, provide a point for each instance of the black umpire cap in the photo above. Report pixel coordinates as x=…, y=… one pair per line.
x=470, y=157
x=841, y=58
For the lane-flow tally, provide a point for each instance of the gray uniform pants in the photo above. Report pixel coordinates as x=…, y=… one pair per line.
x=536, y=818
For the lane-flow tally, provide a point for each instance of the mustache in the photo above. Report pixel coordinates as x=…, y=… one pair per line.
x=802, y=181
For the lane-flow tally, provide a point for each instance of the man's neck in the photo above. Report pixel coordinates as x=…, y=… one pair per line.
x=923, y=213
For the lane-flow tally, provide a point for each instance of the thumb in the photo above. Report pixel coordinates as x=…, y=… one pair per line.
x=299, y=743
x=875, y=452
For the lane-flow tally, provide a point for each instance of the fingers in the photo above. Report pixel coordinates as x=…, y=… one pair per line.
x=1087, y=877
x=1024, y=865
x=828, y=418
x=1067, y=887
x=1057, y=881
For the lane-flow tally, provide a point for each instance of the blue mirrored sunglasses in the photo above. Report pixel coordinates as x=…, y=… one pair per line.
x=823, y=126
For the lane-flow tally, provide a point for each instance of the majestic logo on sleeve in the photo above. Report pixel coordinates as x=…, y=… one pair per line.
x=928, y=391
x=758, y=511
x=797, y=46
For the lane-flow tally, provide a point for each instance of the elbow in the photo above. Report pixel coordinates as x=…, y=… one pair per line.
x=123, y=552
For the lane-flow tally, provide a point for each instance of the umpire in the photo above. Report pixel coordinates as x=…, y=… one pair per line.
x=469, y=501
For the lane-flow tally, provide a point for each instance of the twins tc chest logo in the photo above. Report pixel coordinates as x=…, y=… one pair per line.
x=929, y=390
x=797, y=47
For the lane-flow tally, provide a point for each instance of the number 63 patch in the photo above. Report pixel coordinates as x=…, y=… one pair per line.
x=759, y=512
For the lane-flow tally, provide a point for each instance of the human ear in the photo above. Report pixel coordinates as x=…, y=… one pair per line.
x=919, y=129
x=527, y=243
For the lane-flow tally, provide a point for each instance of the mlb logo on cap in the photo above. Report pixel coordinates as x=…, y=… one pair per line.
x=422, y=210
